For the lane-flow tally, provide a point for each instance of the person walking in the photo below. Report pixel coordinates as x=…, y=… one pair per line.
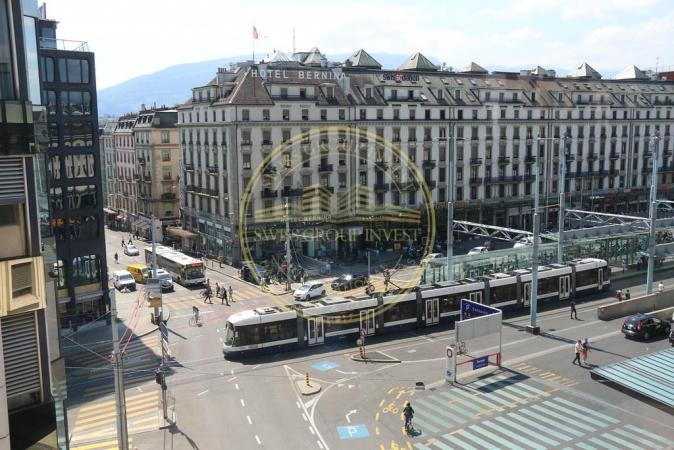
x=619, y=295
x=231, y=293
x=208, y=293
x=408, y=413
x=661, y=288
x=627, y=294
x=122, y=242
x=223, y=296
x=586, y=350
x=578, y=349
x=217, y=290
x=573, y=309
x=116, y=258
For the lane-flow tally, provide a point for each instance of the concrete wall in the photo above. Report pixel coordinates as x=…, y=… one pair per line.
x=643, y=304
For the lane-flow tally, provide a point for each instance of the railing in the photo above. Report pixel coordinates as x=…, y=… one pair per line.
x=168, y=196
x=64, y=44
x=325, y=167
x=503, y=160
x=287, y=192
x=429, y=164
x=381, y=187
x=475, y=161
x=213, y=169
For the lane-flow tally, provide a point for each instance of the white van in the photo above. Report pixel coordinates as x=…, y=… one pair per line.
x=122, y=279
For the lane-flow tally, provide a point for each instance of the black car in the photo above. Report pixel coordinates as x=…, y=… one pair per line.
x=644, y=326
x=350, y=281
x=671, y=337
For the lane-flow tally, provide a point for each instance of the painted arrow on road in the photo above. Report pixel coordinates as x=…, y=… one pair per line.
x=353, y=411
x=346, y=373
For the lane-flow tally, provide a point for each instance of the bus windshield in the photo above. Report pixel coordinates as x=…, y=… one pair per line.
x=229, y=334
x=194, y=272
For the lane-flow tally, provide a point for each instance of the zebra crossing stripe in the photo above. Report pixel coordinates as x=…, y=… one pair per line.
x=457, y=443
x=420, y=447
x=547, y=420
x=441, y=412
x=514, y=436
x=603, y=444
x=585, y=446
x=617, y=440
x=564, y=410
x=587, y=410
x=534, y=434
x=425, y=424
x=463, y=401
x=477, y=399
x=494, y=437
x=427, y=417
x=638, y=439
x=652, y=436
x=476, y=439
x=573, y=422
x=538, y=426
x=461, y=412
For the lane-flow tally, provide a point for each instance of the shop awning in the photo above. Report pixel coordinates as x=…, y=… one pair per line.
x=176, y=231
x=109, y=211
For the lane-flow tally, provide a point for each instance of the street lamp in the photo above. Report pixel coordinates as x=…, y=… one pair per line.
x=653, y=213
x=562, y=194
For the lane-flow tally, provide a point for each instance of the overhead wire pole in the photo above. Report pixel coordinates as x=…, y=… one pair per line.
x=450, y=208
x=562, y=197
x=653, y=213
x=118, y=370
x=288, y=256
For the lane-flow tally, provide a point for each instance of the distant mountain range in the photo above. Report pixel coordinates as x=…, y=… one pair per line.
x=173, y=84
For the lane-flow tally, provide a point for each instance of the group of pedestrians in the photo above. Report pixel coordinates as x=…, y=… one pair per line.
x=621, y=295
x=221, y=292
x=581, y=349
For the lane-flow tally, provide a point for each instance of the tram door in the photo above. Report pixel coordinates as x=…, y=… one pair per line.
x=527, y=294
x=367, y=321
x=600, y=278
x=476, y=297
x=315, y=330
x=432, y=311
x=564, y=286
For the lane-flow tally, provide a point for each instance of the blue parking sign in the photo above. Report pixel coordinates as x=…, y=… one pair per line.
x=353, y=432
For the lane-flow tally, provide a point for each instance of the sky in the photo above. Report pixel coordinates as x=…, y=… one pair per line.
x=136, y=37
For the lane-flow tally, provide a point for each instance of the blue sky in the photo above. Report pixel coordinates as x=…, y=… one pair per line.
x=135, y=37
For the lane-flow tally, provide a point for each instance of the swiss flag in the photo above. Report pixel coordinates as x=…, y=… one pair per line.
x=255, y=35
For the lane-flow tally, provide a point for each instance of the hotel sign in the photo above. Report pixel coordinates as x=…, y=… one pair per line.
x=399, y=77
x=283, y=74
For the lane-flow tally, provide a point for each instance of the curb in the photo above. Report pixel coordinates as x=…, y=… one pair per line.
x=357, y=358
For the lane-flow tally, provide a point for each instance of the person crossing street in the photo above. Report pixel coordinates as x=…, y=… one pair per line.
x=574, y=313
x=408, y=413
x=578, y=349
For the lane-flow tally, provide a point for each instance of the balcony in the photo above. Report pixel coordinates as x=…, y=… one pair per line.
x=614, y=156
x=269, y=170
x=381, y=165
x=266, y=145
x=592, y=157
x=475, y=180
x=669, y=168
x=475, y=161
x=212, y=192
x=141, y=160
x=381, y=187
x=289, y=192
x=64, y=44
x=428, y=164
x=213, y=169
x=189, y=167
x=167, y=196
x=431, y=184
x=530, y=159
x=528, y=177
x=322, y=168
x=409, y=186
x=503, y=160
x=268, y=193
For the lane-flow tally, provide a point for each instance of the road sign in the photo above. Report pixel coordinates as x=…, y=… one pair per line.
x=450, y=368
x=470, y=310
x=154, y=302
x=479, y=363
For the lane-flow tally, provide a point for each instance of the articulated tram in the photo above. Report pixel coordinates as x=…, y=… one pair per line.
x=304, y=324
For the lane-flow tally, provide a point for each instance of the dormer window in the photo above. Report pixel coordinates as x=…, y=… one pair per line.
x=303, y=93
x=284, y=92
x=368, y=92
x=330, y=92
x=410, y=95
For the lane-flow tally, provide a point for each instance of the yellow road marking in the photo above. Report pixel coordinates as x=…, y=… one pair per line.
x=376, y=430
x=391, y=390
x=381, y=403
x=129, y=399
x=94, y=422
x=376, y=416
x=457, y=431
x=84, y=418
x=98, y=445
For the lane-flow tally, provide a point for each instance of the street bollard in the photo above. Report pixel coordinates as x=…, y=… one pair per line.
x=362, y=352
x=307, y=379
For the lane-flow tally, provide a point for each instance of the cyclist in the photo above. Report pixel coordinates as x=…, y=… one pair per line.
x=408, y=412
x=195, y=311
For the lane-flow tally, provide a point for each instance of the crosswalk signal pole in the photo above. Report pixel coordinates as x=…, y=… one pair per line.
x=118, y=368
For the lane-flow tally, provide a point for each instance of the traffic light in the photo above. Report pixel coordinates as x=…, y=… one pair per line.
x=160, y=378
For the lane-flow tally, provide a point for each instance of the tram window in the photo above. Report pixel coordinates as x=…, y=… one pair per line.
x=248, y=335
x=400, y=311
x=449, y=304
x=503, y=293
x=277, y=331
x=548, y=285
x=586, y=277
x=342, y=321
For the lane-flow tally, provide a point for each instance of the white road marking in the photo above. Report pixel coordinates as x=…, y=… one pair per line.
x=298, y=405
x=242, y=402
x=312, y=431
x=202, y=393
x=411, y=351
x=319, y=445
x=304, y=416
x=231, y=371
x=258, y=440
x=139, y=389
x=221, y=341
x=231, y=379
x=201, y=313
x=236, y=386
x=250, y=422
x=255, y=367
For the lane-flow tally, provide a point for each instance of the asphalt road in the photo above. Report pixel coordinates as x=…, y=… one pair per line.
x=255, y=403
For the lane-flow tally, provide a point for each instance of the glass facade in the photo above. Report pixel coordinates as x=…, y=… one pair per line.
x=6, y=70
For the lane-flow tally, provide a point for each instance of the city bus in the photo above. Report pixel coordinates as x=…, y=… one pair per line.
x=184, y=269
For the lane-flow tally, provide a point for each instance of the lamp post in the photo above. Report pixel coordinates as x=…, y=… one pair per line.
x=562, y=196
x=655, y=139
x=450, y=206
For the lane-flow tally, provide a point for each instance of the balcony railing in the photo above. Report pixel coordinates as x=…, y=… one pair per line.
x=428, y=164
x=268, y=193
x=64, y=44
x=503, y=160
x=325, y=167
x=288, y=192
x=213, y=169
x=475, y=161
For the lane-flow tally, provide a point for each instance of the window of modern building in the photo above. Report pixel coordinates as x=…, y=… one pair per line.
x=73, y=70
x=81, y=197
x=47, y=69
x=76, y=103
x=54, y=167
x=83, y=228
x=78, y=134
x=86, y=270
x=80, y=166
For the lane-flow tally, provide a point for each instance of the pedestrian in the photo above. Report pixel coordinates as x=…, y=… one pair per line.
x=130, y=241
x=627, y=294
x=302, y=280
x=217, y=289
x=231, y=293
x=661, y=288
x=223, y=296
x=573, y=309
x=578, y=348
x=122, y=242
x=586, y=349
x=619, y=295
x=116, y=258
x=208, y=293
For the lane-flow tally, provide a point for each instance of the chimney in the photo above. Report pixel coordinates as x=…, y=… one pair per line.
x=142, y=106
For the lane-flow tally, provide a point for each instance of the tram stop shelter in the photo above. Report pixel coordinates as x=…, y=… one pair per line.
x=650, y=375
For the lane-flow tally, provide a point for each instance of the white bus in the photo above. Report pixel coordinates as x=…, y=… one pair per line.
x=184, y=269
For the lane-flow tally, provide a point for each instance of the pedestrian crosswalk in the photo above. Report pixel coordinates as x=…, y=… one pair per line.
x=185, y=301
x=96, y=422
x=548, y=376
x=507, y=411
x=109, y=444
x=89, y=365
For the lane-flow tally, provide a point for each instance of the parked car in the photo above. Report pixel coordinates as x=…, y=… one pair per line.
x=350, y=281
x=139, y=272
x=122, y=279
x=644, y=326
x=131, y=250
x=431, y=256
x=671, y=337
x=309, y=291
x=165, y=280
x=478, y=250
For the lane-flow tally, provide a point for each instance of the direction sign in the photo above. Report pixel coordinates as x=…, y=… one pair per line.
x=450, y=368
x=479, y=363
x=470, y=310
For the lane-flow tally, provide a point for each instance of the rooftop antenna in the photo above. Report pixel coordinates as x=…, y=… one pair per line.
x=657, y=61
x=293, y=40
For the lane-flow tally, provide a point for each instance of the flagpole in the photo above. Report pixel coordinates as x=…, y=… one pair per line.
x=253, y=44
